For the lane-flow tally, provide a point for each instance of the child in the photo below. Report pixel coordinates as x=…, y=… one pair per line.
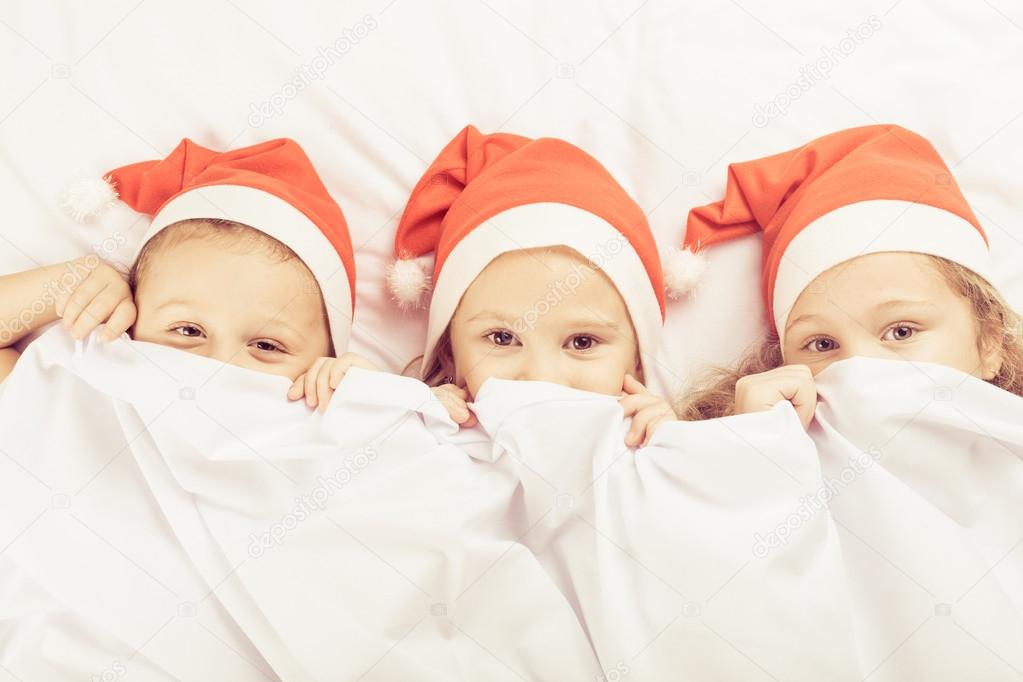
x=869, y=249
x=215, y=274
x=545, y=270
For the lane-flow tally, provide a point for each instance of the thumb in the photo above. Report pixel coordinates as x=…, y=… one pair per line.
x=632, y=385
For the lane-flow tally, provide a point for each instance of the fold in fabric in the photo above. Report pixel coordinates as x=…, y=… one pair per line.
x=169, y=517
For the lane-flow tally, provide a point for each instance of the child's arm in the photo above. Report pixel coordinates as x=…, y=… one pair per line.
x=8, y=356
x=86, y=292
x=27, y=301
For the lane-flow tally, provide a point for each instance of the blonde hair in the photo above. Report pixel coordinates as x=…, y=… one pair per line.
x=226, y=232
x=998, y=324
x=438, y=372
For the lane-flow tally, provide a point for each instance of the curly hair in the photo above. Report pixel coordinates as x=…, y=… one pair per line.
x=998, y=324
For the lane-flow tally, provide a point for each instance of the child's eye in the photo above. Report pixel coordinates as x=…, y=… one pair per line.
x=501, y=337
x=583, y=342
x=268, y=346
x=898, y=332
x=821, y=344
x=188, y=330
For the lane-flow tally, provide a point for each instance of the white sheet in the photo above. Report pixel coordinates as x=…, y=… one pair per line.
x=181, y=519
x=924, y=479
x=653, y=547
x=664, y=94
x=186, y=510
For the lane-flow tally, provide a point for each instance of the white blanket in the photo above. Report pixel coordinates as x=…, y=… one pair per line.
x=163, y=516
x=167, y=509
x=655, y=547
x=924, y=479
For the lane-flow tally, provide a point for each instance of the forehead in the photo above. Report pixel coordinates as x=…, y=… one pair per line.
x=877, y=275
x=558, y=280
x=215, y=275
x=858, y=286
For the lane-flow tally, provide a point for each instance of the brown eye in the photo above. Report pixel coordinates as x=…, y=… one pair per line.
x=267, y=346
x=583, y=342
x=502, y=337
x=188, y=330
x=823, y=345
x=900, y=333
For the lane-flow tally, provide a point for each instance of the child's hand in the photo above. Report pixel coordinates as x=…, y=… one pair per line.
x=760, y=392
x=102, y=297
x=318, y=384
x=648, y=411
x=454, y=401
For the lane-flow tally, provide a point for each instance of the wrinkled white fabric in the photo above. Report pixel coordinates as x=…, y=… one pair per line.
x=163, y=503
x=923, y=476
x=655, y=548
x=166, y=517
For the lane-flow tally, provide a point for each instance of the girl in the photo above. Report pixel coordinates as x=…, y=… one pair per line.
x=869, y=249
x=545, y=270
x=204, y=280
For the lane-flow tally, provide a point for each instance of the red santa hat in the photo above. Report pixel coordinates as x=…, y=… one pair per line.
x=859, y=191
x=271, y=187
x=486, y=195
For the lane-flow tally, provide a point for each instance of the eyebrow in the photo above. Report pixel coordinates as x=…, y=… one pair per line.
x=884, y=305
x=904, y=303
x=576, y=322
x=173, y=301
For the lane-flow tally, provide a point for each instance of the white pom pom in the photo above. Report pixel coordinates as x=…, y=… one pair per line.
x=88, y=197
x=407, y=281
x=683, y=271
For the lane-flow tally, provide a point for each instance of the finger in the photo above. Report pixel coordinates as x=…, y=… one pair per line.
x=338, y=370
x=79, y=299
x=95, y=313
x=632, y=404
x=646, y=420
x=635, y=435
x=452, y=403
x=654, y=424
x=471, y=421
x=310, y=383
x=120, y=320
x=356, y=360
x=632, y=385
x=295, y=391
x=805, y=402
x=638, y=427
x=457, y=409
x=323, y=389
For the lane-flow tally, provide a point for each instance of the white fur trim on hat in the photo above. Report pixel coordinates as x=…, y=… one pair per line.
x=876, y=226
x=683, y=271
x=88, y=197
x=549, y=224
x=274, y=216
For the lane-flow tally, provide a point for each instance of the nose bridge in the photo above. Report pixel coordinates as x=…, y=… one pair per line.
x=861, y=344
x=225, y=351
x=539, y=363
